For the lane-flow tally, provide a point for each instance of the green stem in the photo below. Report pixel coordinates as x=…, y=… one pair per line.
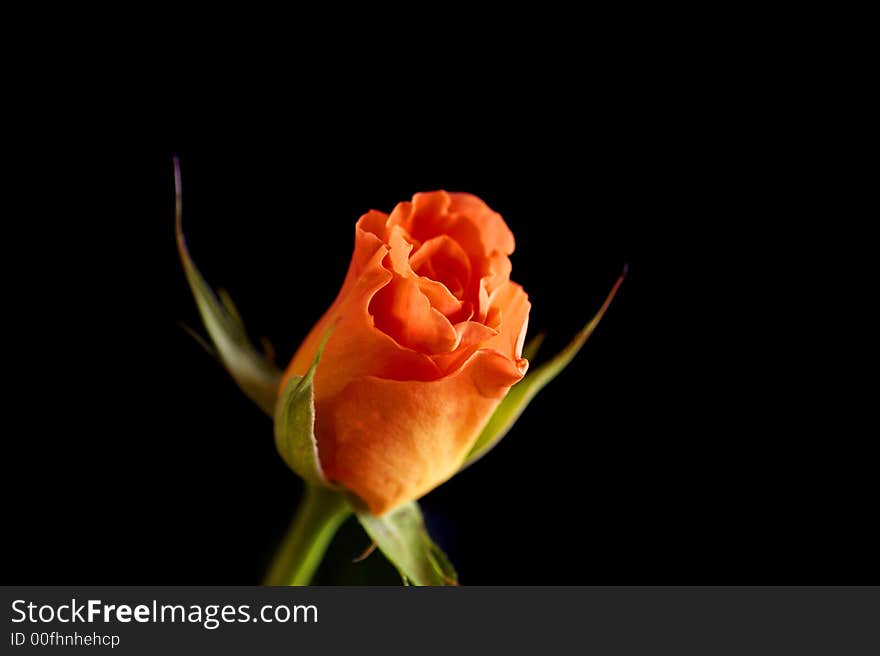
x=320, y=514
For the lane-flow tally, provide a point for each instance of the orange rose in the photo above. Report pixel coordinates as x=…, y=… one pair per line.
x=427, y=338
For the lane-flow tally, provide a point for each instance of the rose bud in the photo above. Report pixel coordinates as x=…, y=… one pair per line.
x=403, y=382
x=424, y=340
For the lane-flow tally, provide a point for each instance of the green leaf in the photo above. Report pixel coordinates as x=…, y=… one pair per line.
x=295, y=424
x=521, y=394
x=401, y=535
x=255, y=374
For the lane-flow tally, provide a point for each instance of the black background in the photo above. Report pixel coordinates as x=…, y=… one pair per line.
x=671, y=451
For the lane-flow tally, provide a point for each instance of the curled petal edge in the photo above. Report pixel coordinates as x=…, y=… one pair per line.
x=521, y=394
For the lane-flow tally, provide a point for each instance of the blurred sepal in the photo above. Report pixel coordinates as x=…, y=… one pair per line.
x=295, y=424
x=252, y=370
x=402, y=537
x=521, y=394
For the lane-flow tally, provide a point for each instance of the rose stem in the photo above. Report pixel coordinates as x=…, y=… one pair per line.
x=320, y=514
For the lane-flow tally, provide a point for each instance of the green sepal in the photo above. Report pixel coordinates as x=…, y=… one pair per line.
x=295, y=424
x=401, y=535
x=530, y=350
x=254, y=373
x=521, y=394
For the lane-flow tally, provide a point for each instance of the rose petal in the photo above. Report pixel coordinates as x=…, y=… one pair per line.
x=356, y=347
x=492, y=273
x=401, y=310
x=438, y=295
x=443, y=257
x=478, y=229
x=374, y=222
x=497, y=272
x=494, y=235
x=514, y=305
x=392, y=441
x=472, y=336
x=400, y=245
